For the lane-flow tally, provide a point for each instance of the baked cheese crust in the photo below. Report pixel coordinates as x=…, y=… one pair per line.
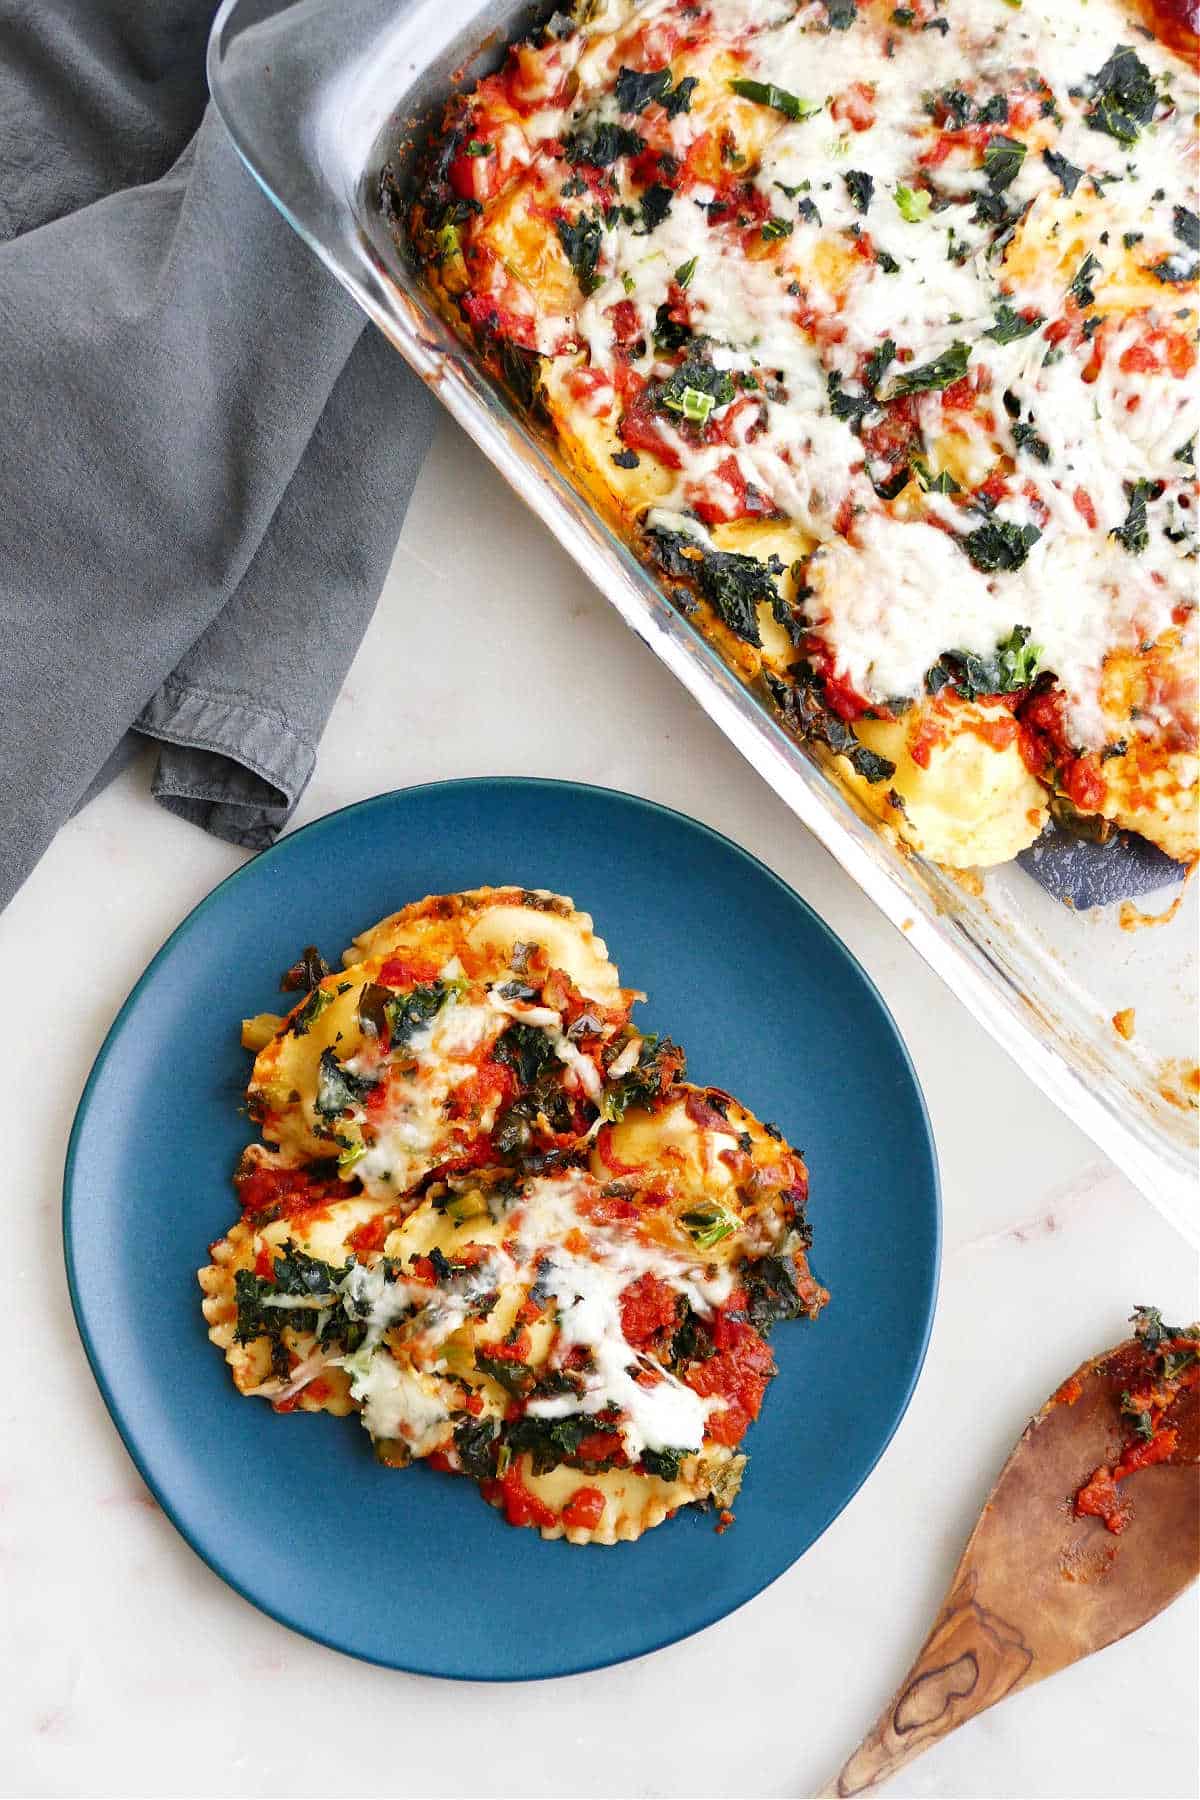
x=873, y=329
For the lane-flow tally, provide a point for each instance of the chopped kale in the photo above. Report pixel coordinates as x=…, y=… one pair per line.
x=1068, y=175
x=581, y=239
x=1008, y=325
x=885, y=260
x=1134, y=532
x=807, y=210
x=1181, y=265
x=639, y=88
x=955, y=103
x=776, y=228
x=1187, y=227
x=771, y=1292
x=409, y=1013
x=929, y=483
x=852, y=408
x=373, y=1002
x=841, y=14
x=999, y=544
x=669, y=334
x=664, y=1463
x=656, y=204
x=765, y=93
x=860, y=187
x=306, y=973
x=994, y=111
x=942, y=25
x=693, y=1339
x=516, y=1378
x=626, y=459
x=1013, y=664
x=686, y=270
x=950, y=366
x=660, y=1063
x=1027, y=437
x=475, y=1441
x=803, y=706
x=734, y=585
x=1002, y=159
x=338, y=1088
x=604, y=148
x=1186, y=453
x=697, y=377
x=1147, y=1322
x=1141, y=1421
x=312, y=1009
x=1123, y=96
x=1081, y=286
x=708, y=1224
x=877, y=363
x=527, y=1051
x=304, y=1279
x=549, y=1441
x=679, y=100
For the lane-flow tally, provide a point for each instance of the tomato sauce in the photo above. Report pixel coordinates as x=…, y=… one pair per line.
x=648, y=1307
x=737, y=1374
x=406, y=972
x=1157, y=1387
x=584, y=1510
x=368, y=1238
x=520, y=1507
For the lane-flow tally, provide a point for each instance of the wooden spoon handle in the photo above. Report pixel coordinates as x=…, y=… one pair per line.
x=971, y=1659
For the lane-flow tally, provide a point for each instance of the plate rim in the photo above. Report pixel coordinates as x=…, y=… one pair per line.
x=126, y=1431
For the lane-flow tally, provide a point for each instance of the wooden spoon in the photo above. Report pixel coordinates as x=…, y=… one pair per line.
x=1039, y=1586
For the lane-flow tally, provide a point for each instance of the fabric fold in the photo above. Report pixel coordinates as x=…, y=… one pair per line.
x=205, y=453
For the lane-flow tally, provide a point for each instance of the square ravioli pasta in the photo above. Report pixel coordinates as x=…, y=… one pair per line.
x=574, y=1318
x=872, y=329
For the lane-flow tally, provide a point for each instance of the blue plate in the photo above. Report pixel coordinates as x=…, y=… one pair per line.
x=413, y=1570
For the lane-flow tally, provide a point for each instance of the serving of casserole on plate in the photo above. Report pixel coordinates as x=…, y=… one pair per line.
x=492, y=1217
x=731, y=460
x=445, y=1241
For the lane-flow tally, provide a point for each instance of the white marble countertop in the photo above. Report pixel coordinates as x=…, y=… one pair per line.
x=130, y=1669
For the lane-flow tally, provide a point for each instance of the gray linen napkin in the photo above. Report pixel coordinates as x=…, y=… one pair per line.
x=205, y=452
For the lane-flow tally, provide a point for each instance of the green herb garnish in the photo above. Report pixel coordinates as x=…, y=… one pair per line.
x=765, y=93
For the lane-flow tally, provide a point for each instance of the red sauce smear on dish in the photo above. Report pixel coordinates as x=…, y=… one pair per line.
x=1156, y=1380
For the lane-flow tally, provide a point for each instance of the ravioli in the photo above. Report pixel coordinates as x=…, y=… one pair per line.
x=873, y=329
x=580, y=1328
x=457, y=1035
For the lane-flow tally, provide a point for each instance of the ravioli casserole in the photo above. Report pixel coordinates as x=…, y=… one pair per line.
x=872, y=328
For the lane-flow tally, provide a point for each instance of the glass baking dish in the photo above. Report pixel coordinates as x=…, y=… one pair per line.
x=316, y=95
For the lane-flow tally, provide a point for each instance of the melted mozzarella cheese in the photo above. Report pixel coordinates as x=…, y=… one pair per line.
x=663, y=1416
x=410, y=1132
x=399, y=1402
x=911, y=592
